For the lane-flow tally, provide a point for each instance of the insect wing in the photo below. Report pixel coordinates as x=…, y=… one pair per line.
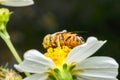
x=17, y=3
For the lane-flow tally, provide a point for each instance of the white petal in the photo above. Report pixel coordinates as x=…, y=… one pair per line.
x=17, y=3
x=91, y=78
x=37, y=77
x=81, y=52
x=98, y=68
x=34, y=62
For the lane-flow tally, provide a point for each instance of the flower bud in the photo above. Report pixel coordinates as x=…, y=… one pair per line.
x=4, y=17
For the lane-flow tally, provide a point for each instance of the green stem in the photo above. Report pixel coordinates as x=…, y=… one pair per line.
x=12, y=49
x=6, y=38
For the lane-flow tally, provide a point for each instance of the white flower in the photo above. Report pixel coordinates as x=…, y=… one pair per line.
x=87, y=68
x=17, y=3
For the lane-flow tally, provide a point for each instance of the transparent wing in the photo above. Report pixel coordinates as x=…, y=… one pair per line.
x=17, y=3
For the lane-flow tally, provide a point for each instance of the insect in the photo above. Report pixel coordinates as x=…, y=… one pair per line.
x=16, y=3
x=62, y=38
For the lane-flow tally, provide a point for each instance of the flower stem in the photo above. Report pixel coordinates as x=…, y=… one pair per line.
x=4, y=18
x=7, y=40
x=5, y=36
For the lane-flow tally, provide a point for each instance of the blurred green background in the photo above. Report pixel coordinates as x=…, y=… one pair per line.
x=29, y=25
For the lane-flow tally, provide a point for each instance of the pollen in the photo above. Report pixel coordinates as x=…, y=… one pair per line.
x=58, y=54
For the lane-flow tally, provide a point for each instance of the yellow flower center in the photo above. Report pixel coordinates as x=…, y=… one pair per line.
x=58, y=54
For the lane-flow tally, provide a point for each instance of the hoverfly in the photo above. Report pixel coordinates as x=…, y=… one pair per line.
x=62, y=38
x=17, y=3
